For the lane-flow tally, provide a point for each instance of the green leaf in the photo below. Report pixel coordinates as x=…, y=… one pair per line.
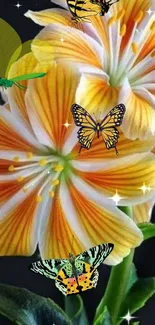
x=9, y=42
x=132, y=277
x=104, y=318
x=26, y=308
x=74, y=308
x=148, y=230
x=140, y=292
x=135, y=323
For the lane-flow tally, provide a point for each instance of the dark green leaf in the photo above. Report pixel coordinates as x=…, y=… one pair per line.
x=148, y=230
x=74, y=308
x=26, y=308
x=140, y=292
x=104, y=318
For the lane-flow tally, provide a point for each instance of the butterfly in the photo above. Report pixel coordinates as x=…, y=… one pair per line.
x=89, y=127
x=82, y=9
x=76, y=274
x=11, y=50
x=105, y=5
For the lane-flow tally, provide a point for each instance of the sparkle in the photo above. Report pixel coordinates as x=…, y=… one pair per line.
x=18, y=5
x=128, y=317
x=67, y=125
x=62, y=39
x=116, y=198
x=145, y=188
x=149, y=11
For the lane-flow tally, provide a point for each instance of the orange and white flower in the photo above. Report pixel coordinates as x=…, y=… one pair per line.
x=48, y=192
x=115, y=54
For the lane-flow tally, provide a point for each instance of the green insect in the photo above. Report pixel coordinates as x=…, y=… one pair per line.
x=12, y=49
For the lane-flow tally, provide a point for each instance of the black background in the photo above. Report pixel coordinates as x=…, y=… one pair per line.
x=14, y=270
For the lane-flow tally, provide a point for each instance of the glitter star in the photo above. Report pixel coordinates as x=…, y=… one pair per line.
x=145, y=188
x=116, y=198
x=18, y=5
x=149, y=11
x=67, y=125
x=128, y=317
x=62, y=39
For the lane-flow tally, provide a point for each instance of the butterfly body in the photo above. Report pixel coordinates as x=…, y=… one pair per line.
x=77, y=273
x=105, y=5
x=106, y=127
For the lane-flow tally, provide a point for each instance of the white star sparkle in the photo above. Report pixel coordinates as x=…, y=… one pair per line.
x=116, y=198
x=18, y=5
x=62, y=39
x=149, y=11
x=145, y=188
x=128, y=317
x=67, y=125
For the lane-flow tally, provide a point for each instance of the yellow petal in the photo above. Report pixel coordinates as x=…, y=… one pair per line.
x=76, y=46
x=49, y=100
x=126, y=176
x=105, y=225
x=58, y=238
x=139, y=118
x=25, y=65
x=96, y=95
x=125, y=147
x=17, y=229
x=11, y=139
x=142, y=212
x=49, y=16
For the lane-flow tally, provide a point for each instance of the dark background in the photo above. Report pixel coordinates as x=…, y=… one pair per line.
x=14, y=270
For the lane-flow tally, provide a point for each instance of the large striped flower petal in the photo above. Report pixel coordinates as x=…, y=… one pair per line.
x=97, y=221
x=125, y=177
x=48, y=102
x=55, y=42
x=98, y=150
x=139, y=119
x=19, y=225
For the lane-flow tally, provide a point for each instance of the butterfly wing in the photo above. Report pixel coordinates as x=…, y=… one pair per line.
x=87, y=125
x=82, y=9
x=86, y=278
x=95, y=255
x=108, y=125
x=48, y=268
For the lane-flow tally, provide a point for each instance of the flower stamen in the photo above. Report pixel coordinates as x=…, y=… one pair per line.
x=134, y=47
x=139, y=17
x=29, y=155
x=123, y=30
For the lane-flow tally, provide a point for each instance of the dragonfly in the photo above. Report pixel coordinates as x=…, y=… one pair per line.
x=12, y=49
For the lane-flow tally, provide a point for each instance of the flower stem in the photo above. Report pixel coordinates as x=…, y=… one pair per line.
x=117, y=285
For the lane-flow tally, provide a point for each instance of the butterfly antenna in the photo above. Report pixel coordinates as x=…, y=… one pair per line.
x=116, y=151
x=80, y=150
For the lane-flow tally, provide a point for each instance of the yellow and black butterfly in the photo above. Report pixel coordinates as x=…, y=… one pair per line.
x=89, y=127
x=82, y=9
x=105, y=5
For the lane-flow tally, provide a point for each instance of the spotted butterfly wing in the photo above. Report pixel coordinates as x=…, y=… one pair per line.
x=108, y=126
x=87, y=125
x=76, y=275
x=84, y=278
